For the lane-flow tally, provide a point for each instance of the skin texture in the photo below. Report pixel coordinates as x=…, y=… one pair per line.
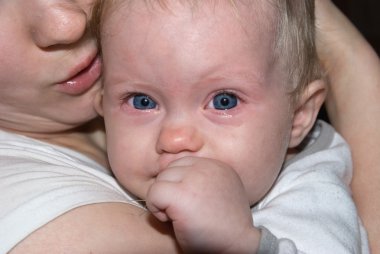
x=197, y=165
x=353, y=106
x=43, y=45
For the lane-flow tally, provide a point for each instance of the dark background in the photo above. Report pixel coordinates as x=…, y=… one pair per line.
x=365, y=15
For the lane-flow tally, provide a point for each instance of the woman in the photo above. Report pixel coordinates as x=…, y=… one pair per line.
x=54, y=199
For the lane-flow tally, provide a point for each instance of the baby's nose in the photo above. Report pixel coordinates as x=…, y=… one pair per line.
x=179, y=139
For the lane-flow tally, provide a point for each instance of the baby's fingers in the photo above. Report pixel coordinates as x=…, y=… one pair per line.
x=160, y=197
x=172, y=174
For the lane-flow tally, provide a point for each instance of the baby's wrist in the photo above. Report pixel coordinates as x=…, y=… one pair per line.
x=248, y=243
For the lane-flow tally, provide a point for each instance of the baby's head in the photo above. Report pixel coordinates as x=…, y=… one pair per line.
x=234, y=81
x=292, y=23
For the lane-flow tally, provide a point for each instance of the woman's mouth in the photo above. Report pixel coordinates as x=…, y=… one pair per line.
x=83, y=80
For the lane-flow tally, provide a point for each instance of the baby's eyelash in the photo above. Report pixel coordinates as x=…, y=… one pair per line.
x=229, y=92
x=125, y=97
x=128, y=95
x=226, y=91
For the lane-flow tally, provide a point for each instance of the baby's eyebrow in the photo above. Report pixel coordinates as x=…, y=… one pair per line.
x=257, y=78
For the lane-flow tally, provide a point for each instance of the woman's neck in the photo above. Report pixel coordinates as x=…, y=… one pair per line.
x=88, y=139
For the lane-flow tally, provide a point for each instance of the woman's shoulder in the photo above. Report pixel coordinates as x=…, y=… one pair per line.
x=39, y=182
x=101, y=228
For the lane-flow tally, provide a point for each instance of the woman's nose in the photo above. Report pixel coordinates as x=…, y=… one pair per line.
x=58, y=25
x=179, y=139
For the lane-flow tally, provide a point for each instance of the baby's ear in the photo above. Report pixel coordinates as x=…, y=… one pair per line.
x=99, y=102
x=306, y=111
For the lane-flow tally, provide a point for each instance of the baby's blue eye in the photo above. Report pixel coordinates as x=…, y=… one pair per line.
x=142, y=101
x=224, y=101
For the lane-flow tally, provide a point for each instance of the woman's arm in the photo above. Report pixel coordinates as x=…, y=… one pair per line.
x=353, y=105
x=101, y=228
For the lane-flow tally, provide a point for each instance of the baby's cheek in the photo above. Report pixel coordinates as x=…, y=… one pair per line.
x=258, y=178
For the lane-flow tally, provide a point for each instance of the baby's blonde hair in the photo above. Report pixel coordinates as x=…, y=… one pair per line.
x=295, y=37
x=295, y=44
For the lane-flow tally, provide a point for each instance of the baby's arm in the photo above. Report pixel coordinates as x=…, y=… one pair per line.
x=353, y=106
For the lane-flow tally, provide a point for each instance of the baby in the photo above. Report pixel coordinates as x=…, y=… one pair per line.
x=210, y=111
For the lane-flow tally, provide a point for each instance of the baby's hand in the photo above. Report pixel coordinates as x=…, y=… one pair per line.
x=207, y=204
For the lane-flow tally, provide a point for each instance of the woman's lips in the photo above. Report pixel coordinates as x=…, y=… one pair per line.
x=83, y=80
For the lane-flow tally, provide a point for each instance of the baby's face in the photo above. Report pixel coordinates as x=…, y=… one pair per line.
x=194, y=82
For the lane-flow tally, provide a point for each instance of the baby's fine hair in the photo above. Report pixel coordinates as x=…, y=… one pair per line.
x=295, y=42
x=295, y=35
